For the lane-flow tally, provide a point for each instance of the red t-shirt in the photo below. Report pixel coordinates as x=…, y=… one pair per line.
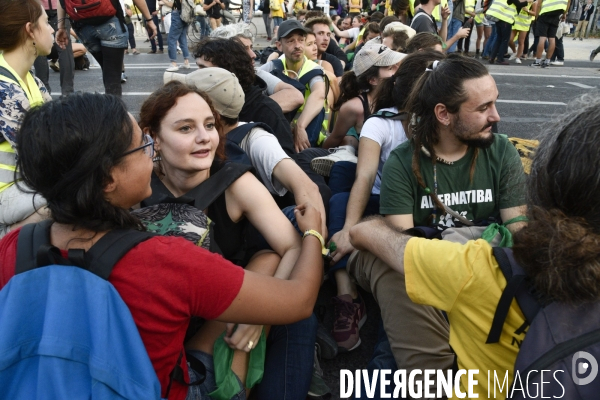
x=163, y=281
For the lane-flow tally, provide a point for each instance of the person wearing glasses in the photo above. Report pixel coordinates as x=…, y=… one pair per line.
x=25, y=34
x=93, y=170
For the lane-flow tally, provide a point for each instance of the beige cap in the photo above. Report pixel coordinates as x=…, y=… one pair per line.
x=220, y=85
x=374, y=54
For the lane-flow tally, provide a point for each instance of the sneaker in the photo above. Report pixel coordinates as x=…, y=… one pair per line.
x=54, y=66
x=269, y=39
x=135, y=52
x=173, y=68
x=322, y=165
x=318, y=388
x=161, y=51
x=517, y=60
x=512, y=57
x=503, y=62
x=536, y=64
x=581, y=39
x=592, y=55
x=326, y=345
x=152, y=52
x=557, y=62
x=575, y=38
x=545, y=63
x=349, y=318
x=186, y=64
x=123, y=77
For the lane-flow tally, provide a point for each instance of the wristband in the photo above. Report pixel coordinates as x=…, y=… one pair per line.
x=147, y=19
x=312, y=232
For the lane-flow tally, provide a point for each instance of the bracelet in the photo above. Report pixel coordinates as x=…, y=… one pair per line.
x=147, y=19
x=312, y=232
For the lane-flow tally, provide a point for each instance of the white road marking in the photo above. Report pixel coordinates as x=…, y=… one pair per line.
x=547, y=76
x=581, y=85
x=544, y=103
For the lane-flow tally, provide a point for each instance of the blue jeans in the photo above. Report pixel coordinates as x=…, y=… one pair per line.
x=204, y=32
x=177, y=33
x=106, y=42
x=382, y=358
x=158, y=35
x=289, y=361
x=453, y=27
x=500, y=48
x=491, y=41
x=341, y=177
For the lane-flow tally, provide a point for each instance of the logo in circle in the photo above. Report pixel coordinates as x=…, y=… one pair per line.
x=580, y=367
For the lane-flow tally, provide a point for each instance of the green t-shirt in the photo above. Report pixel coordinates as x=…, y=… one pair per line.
x=498, y=183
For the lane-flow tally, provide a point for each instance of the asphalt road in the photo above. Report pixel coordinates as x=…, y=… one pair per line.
x=529, y=98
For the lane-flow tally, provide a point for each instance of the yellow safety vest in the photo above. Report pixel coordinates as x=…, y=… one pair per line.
x=479, y=17
x=553, y=5
x=306, y=67
x=8, y=156
x=501, y=10
x=437, y=11
x=523, y=20
x=469, y=7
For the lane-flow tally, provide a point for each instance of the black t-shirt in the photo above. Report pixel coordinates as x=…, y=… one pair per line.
x=338, y=69
x=214, y=11
x=423, y=22
x=151, y=5
x=334, y=49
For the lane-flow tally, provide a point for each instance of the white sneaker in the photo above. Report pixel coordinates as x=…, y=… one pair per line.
x=173, y=68
x=557, y=62
x=512, y=57
x=323, y=165
x=517, y=60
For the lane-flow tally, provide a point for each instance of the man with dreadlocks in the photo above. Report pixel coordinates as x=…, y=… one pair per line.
x=453, y=164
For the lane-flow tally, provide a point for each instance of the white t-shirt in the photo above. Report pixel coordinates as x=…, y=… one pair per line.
x=389, y=134
x=265, y=153
x=354, y=32
x=270, y=79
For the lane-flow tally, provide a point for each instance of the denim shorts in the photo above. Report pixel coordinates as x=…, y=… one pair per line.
x=108, y=34
x=277, y=21
x=200, y=392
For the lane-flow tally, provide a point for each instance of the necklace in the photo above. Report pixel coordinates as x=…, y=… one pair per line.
x=439, y=159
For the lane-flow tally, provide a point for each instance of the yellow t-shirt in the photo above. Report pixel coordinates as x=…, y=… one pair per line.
x=466, y=282
x=278, y=13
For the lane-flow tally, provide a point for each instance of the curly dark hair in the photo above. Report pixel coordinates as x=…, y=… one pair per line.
x=228, y=54
x=560, y=247
x=67, y=151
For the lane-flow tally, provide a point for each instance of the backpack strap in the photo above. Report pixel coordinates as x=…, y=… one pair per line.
x=305, y=79
x=515, y=288
x=365, y=103
x=401, y=116
x=6, y=73
x=209, y=190
x=31, y=239
x=278, y=65
x=238, y=134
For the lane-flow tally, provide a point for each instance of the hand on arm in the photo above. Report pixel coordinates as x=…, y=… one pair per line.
x=243, y=334
x=266, y=300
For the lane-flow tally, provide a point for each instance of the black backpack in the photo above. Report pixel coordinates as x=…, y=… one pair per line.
x=233, y=151
x=562, y=339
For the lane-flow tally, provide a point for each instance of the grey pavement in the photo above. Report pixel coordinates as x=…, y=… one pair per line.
x=529, y=99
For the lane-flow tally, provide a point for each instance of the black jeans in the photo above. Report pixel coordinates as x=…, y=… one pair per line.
x=503, y=30
x=65, y=61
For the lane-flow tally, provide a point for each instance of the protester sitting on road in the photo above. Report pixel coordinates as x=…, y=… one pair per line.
x=25, y=34
x=104, y=169
x=453, y=172
x=558, y=251
x=357, y=186
x=320, y=26
x=373, y=64
x=182, y=120
x=283, y=93
x=257, y=106
x=107, y=41
x=308, y=121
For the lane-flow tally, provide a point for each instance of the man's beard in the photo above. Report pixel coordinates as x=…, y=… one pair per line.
x=467, y=136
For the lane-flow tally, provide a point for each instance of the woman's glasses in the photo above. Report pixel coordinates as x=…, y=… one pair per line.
x=148, y=147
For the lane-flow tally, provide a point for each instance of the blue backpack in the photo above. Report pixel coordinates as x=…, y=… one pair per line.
x=560, y=337
x=65, y=333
